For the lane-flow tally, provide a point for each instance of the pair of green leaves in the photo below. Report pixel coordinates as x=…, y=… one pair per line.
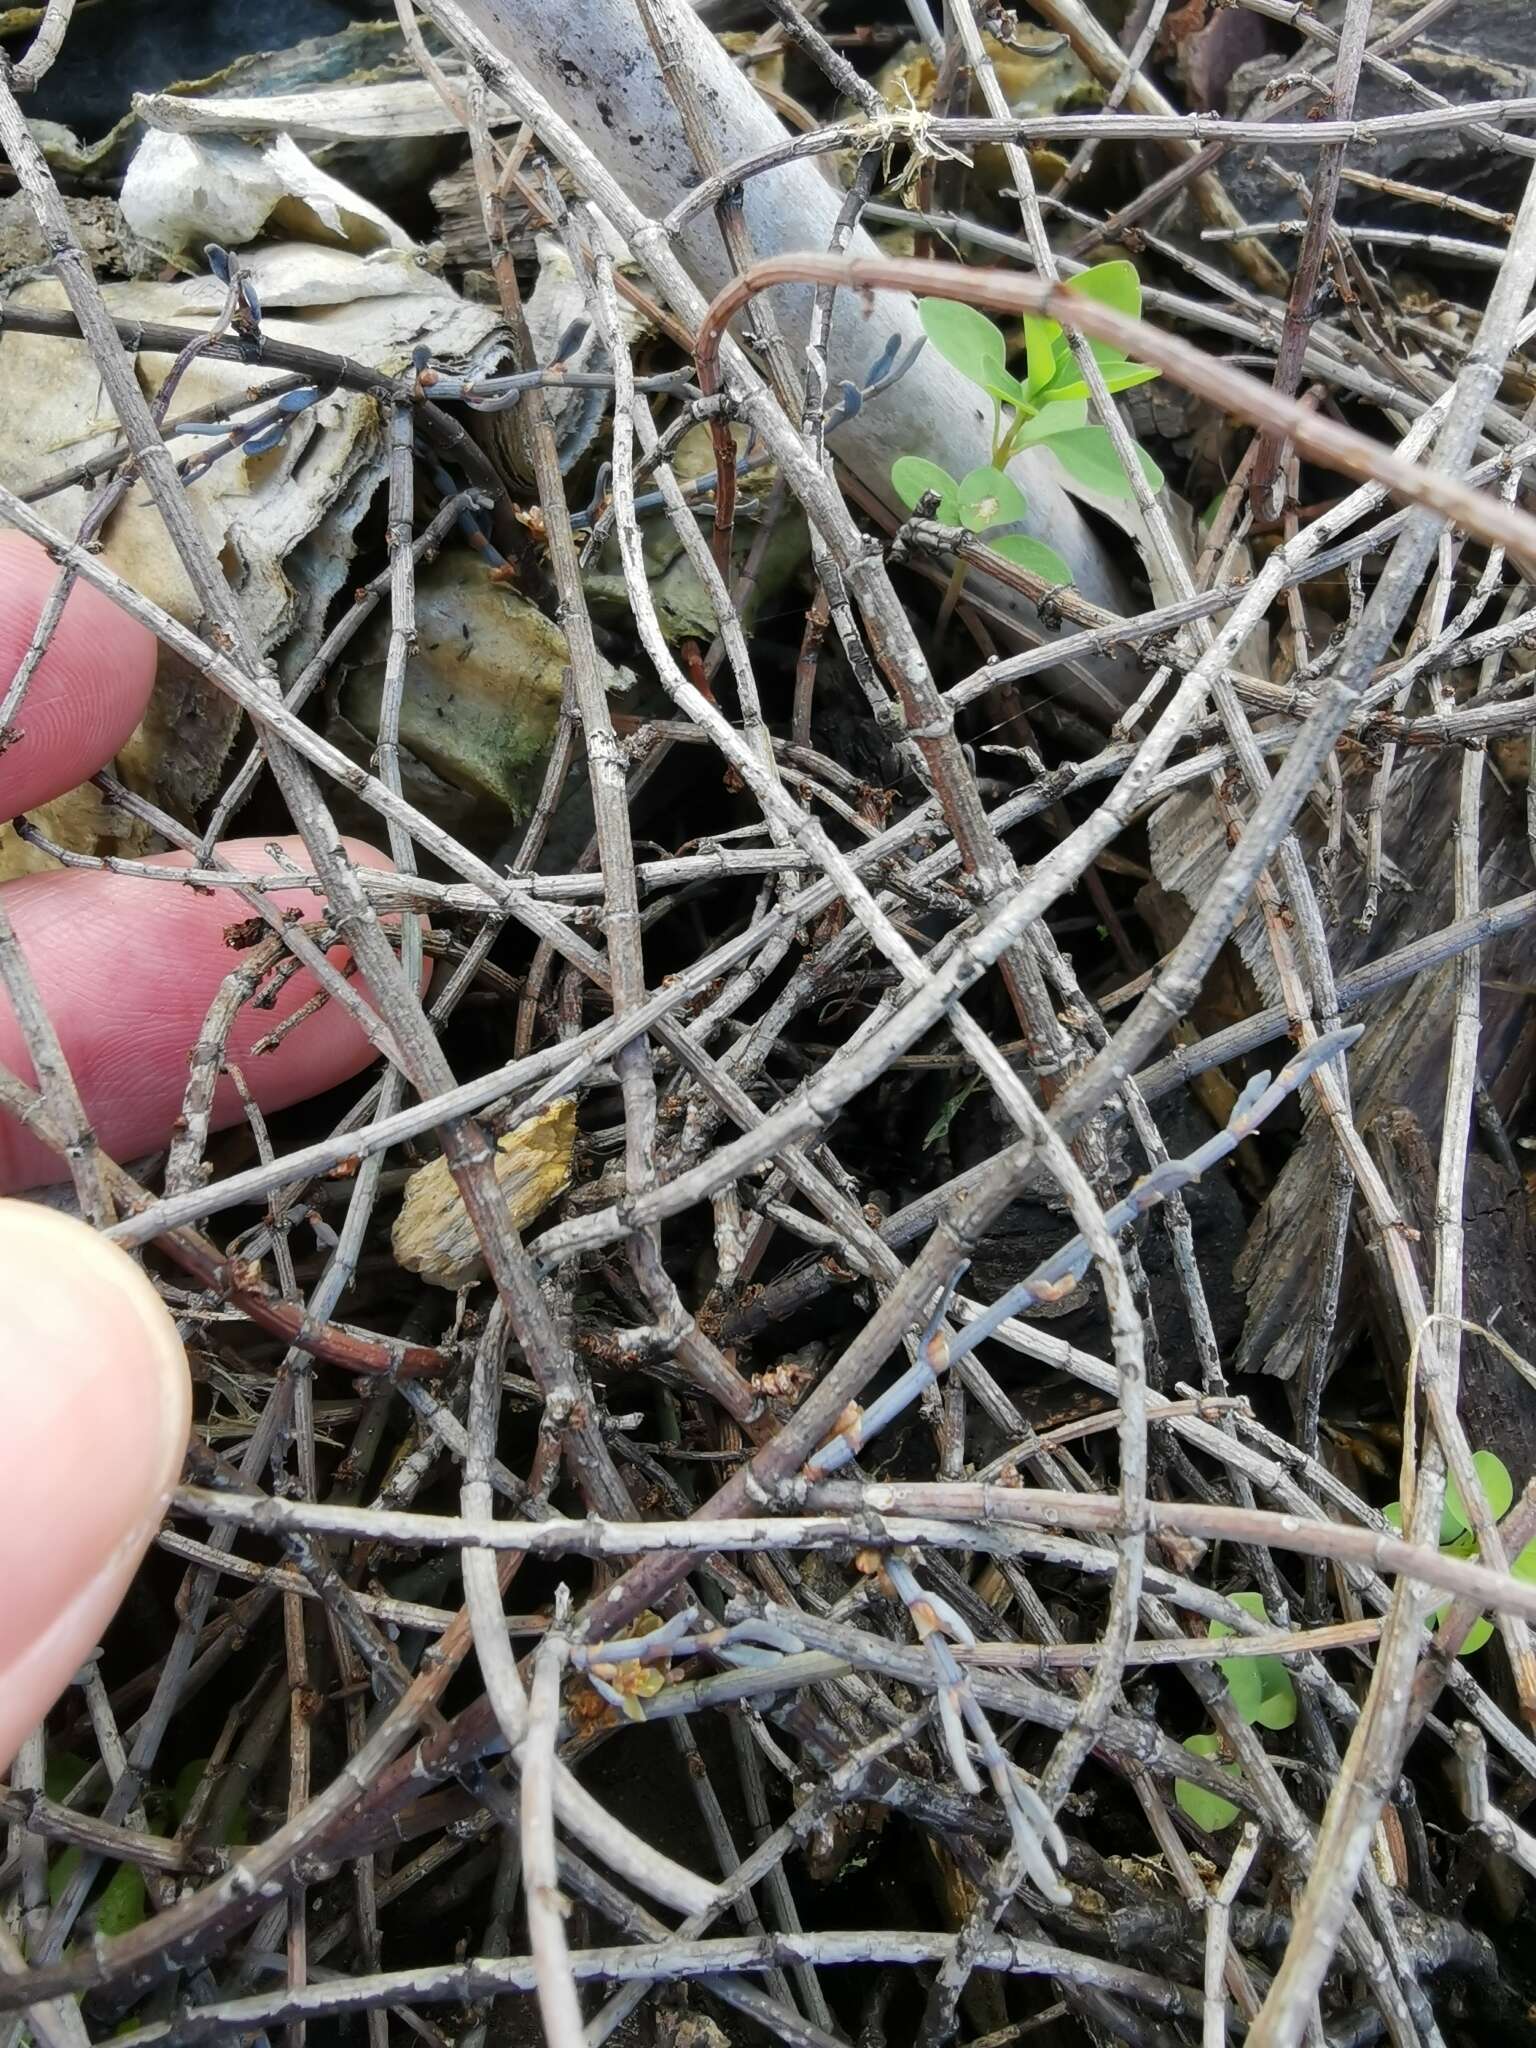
x=1261, y=1687
x=1262, y=1693
x=983, y=499
x=1047, y=404
x=1458, y=1540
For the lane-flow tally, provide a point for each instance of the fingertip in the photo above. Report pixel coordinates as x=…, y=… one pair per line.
x=95, y=1408
x=88, y=692
x=126, y=969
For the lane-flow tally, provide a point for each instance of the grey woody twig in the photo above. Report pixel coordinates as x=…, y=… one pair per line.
x=908, y=1513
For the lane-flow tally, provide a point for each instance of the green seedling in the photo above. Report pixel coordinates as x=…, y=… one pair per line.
x=1261, y=1687
x=984, y=499
x=122, y=1903
x=1046, y=407
x=1458, y=1540
x=1207, y=1810
x=1262, y=1692
x=938, y=1130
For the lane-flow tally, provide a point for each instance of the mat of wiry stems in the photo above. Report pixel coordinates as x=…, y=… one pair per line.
x=813, y=1643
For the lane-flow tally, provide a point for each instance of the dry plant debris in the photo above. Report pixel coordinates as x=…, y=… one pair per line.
x=433, y=1234
x=940, y=1445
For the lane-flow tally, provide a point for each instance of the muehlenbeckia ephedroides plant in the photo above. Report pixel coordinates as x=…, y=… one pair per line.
x=1048, y=406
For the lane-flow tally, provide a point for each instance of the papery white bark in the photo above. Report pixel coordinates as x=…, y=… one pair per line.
x=591, y=61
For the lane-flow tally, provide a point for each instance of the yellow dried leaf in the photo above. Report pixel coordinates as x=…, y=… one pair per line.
x=82, y=821
x=433, y=1235
x=765, y=71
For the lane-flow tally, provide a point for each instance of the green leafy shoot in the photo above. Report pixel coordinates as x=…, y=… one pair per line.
x=1047, y=407
x=984, y=499
x=1262, y=1692
x=119, y=1907
x=1261, y=1687
x=122, y=1902
x=1498, y=1491
x=1457, y=1538
x=938, y=1130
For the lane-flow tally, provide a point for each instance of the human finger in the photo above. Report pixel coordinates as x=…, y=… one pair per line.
x=126, y=969
x=95, y=1405
x=88, y=692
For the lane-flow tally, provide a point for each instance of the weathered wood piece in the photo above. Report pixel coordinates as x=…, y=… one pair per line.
x=1497, y=1406
x=1400, y=1062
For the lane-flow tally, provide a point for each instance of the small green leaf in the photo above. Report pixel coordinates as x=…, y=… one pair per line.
x=1244, y=1684
x=1088, y=454
x=60, y=1871
x=1479, y=1633
x=1498, y=1485
x=188, y=1778
x=1033, y=555
x=1251, y=1603
x=1268, y=1696
x=1524, y=1566
x=65, y=1770
x=123, y=1904
x=989, y=498
x=1003, y=385
x=184, y=1791
x=966, y=338
x=1061, y=416
x=912, y=477
x=1498, y=1489
x=938, y=1130
x=1454, y=1534
x=1112, y=284
x=1278, y=1706
x=1119, y=372
x=1207, y=1810
x=1040, y=337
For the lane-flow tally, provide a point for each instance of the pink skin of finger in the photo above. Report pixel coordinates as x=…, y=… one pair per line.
x=89, y=691
x=126, y=969
x=95, y=1405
